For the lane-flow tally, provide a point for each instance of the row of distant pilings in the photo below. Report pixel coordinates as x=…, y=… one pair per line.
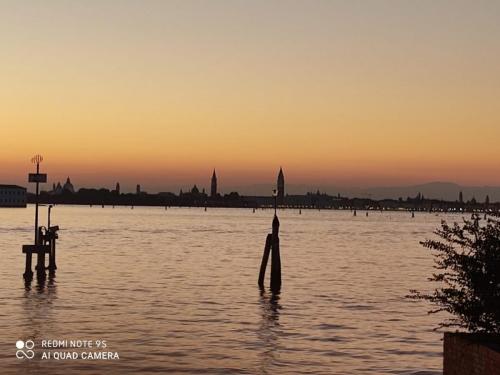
x=354, y=211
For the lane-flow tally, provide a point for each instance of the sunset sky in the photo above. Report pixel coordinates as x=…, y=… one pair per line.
x=348, y=93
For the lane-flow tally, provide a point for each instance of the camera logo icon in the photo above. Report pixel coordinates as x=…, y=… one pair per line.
x=24, y=349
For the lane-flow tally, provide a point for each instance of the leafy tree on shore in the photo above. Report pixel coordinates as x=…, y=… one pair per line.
x=467, y=260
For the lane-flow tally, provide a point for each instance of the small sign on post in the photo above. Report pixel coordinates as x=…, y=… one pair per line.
x=37, y=177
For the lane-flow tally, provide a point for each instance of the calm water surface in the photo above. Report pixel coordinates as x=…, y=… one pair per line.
x=175, y=292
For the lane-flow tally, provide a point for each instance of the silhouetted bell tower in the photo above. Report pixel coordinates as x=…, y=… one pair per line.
x=281, y=187
x=213, y=189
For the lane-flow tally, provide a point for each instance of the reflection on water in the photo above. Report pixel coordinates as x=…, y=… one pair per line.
x=269, y=329
x=174, y=291
x=37, y=305
x=46, y=285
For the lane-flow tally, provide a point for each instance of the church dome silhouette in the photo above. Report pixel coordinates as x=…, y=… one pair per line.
x=68, y=186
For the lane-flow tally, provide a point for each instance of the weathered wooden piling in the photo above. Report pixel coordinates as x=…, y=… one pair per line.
x=265, y=258
x=29, y=250
x=40, y=264
x=52, y=255
x=28, y=273
x=272, y=247
x=51, y=237
x=275, y=257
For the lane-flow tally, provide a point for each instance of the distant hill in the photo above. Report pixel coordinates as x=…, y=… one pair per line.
x=437, y=190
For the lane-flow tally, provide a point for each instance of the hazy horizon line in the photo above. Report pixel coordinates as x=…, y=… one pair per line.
x=290, y=188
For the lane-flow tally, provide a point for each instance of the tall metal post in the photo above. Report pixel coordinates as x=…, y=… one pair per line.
x=48, y=219
x=40, y=267
x=36, y=201
x=37, y=246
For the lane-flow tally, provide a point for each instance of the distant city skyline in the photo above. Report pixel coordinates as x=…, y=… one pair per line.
x=228, y=182
x=294, y=194
x=434, y=190
x=339, y=93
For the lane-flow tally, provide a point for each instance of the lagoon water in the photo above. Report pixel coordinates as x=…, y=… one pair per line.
x=175, y=291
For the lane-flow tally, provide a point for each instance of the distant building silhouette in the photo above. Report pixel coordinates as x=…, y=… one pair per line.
x=460, y=198
x=60, y=189
x=117, y=190
x=281, y=187
x=68, y=186
x=138, y=189
x=213, y=189
x=12, y=196
x=195, y=190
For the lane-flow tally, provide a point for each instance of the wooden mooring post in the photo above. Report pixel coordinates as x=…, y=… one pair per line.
x=50, y=237
x=265, y=258
x=272, y=247
x=275, y=257
x=40, y=264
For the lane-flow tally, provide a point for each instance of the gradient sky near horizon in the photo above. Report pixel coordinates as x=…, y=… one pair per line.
x=351, y=93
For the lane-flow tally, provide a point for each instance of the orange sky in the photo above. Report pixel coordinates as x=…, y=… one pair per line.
x=339, y=93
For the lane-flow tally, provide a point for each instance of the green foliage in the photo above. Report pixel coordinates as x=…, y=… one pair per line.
x=467, y=260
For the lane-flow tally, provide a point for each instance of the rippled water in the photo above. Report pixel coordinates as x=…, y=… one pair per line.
x=176, y=291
